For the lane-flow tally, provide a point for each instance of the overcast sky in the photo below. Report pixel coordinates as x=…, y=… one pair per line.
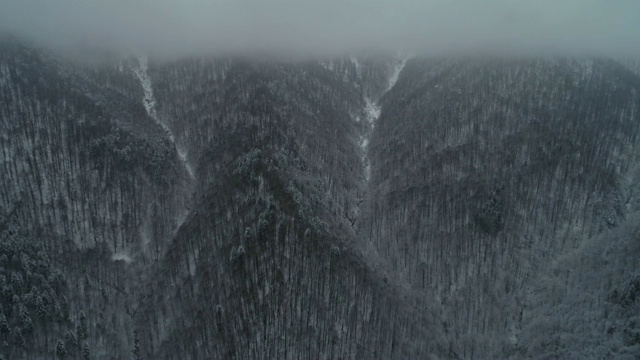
x=325, y=26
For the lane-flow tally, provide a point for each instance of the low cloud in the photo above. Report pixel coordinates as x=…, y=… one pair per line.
x=177, y=27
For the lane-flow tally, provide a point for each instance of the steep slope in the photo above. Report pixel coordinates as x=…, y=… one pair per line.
x=366, y=207
x=88, y=175
x=268, y=248
x=586, y=305
x=484, y=171
x=149, y=102
x=372, y=111
x=78, y=158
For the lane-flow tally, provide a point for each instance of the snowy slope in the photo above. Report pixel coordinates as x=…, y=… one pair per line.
x=373, y=109
x=401, y=61
x=149, y=102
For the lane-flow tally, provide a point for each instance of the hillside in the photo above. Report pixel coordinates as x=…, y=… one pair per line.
x=359, y=207
x=487, y=172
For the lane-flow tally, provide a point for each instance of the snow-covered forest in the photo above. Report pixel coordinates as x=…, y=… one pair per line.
x=373, y=206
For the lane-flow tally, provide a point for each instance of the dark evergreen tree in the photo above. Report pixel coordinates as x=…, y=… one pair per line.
x=81, y=327
x=4, y=324
x=61, y=350
x=86, y=352
x=18, y=339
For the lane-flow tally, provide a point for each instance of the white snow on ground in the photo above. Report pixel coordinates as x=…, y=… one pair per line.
x=122, y=256
x=149, y=102
x=182, y=154
x=327, y=65
x=356, y=63
x=372, y=109
x=400, y=63
x=372, y=113
x=181, y=219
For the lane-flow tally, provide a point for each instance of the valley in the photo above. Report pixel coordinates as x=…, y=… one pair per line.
x=372, y=206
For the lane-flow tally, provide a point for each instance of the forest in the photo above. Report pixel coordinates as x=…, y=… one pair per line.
x=370, y=207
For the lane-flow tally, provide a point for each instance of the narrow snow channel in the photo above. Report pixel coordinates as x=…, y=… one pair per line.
x=149, y=102
x=400, y=63
x=372, y=111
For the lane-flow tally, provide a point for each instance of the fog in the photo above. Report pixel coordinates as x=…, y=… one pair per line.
x=181, y=27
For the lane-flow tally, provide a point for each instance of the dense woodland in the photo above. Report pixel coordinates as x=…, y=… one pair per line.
x=223, y=208
x=485, y=171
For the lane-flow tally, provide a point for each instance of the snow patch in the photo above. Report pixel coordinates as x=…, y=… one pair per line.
x=327, y=65
x=122, y=257
x=181, y=219
x=149, y=102
x=373, y=110
x=183, y=159
x=364, y=143
x=192, y=262
x=367, y=168
x=401, y=61
x=356, y=63
x=588, y=67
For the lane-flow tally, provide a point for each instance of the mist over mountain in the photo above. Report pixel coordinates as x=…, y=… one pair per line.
x=330, y=27
x=232, y=189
